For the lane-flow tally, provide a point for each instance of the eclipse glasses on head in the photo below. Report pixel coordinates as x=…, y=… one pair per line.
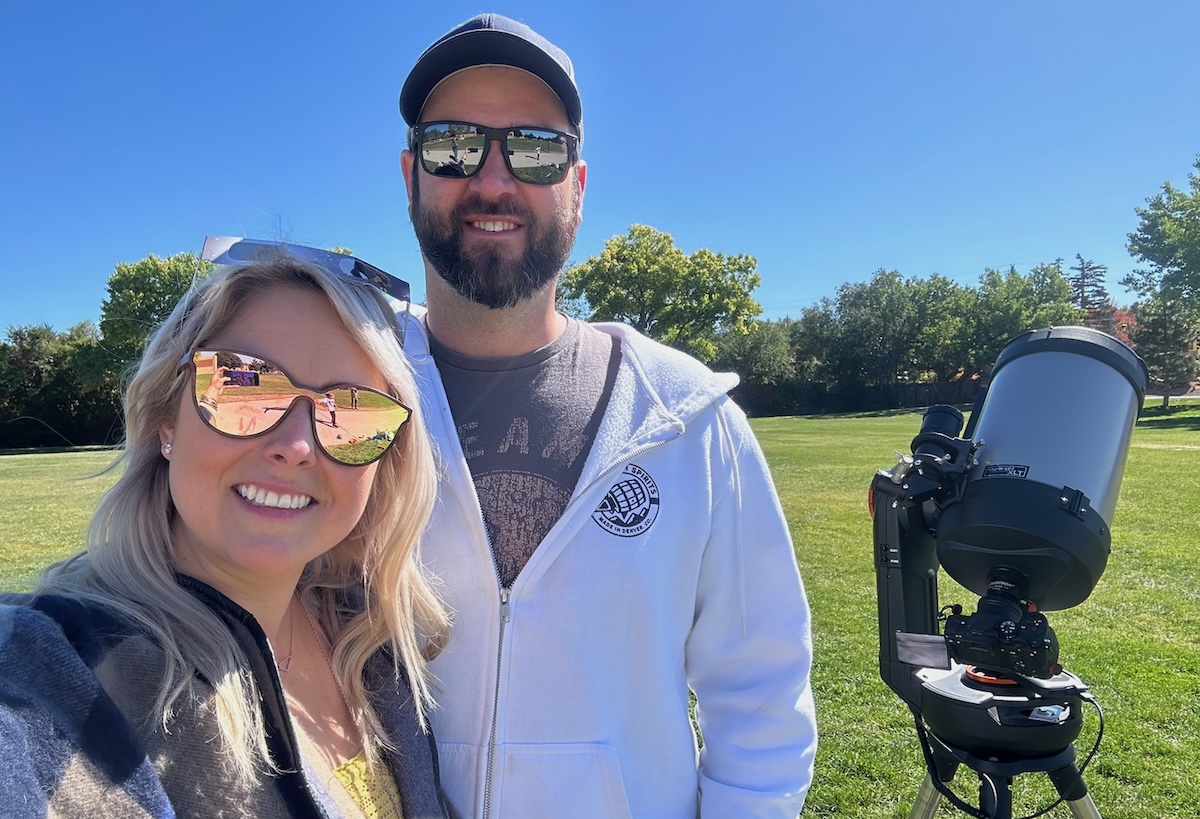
x=233, y=250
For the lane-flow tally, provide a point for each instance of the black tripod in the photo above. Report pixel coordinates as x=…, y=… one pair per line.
x=1000, y=727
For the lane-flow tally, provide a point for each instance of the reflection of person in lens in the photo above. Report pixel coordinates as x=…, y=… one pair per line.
x=212, y=394
x=587, y=464
x=354, y=398
x=245, y=631
x=455, y=167
x=331, y=405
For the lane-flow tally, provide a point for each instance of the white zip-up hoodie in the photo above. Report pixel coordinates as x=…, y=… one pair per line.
x=566, y=695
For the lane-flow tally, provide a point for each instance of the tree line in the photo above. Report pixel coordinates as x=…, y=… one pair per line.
x=896, y=341
x=890, y=341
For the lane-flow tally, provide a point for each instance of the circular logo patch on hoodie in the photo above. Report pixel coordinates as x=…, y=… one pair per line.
x=631, y=505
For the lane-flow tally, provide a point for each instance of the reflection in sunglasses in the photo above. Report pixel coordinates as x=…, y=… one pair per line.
x=539, y=156
x=243, y=395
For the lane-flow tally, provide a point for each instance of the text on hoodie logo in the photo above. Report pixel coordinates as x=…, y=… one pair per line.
x=631, y=504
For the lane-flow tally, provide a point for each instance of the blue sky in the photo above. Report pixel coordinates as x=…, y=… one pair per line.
x=918, y=136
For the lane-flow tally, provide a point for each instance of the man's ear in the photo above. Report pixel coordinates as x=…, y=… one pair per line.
x=407, y=168
x=581, y=169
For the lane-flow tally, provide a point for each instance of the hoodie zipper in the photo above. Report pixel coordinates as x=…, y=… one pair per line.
x=505, y=616
x=491, y=749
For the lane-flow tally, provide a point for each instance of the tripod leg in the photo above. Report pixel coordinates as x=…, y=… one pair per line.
x=1084, y=808
x=927, y=801
x=928, y=797
x=1074, y=792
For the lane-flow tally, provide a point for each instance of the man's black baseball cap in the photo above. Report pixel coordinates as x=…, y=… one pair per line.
x=491, y=39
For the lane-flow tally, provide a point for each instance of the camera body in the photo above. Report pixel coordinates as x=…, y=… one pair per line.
x=1003, y=635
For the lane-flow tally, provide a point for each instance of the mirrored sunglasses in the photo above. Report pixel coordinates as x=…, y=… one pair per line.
x=539, y=156
x=243, y=396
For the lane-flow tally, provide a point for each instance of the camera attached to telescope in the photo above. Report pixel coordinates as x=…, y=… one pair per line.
x=1016, y=508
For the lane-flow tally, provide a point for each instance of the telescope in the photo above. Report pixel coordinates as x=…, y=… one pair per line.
x=1016, y=508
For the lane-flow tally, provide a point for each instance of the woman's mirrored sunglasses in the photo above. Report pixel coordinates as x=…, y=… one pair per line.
x=243, y=396
x=539, y=156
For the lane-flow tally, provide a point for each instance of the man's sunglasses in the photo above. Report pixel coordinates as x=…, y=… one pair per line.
x=539, y=156
x=232, y=250
x=243, y=396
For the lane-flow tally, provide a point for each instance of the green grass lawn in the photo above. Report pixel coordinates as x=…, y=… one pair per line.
x=1135, y=641
x=45, y=504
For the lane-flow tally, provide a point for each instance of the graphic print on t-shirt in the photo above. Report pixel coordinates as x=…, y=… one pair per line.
x=526, y=425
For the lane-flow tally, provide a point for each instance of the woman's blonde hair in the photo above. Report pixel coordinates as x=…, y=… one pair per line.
x=368, y=592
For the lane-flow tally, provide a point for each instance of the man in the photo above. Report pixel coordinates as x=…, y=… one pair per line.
x=607, y=530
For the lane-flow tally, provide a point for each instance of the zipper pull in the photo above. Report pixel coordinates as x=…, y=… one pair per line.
x=504, y=592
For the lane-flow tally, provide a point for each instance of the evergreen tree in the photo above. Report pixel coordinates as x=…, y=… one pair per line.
x=1166, y=341
x=1089, y=293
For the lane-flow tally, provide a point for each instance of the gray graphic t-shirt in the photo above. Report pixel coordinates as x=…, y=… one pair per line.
x=526, y=425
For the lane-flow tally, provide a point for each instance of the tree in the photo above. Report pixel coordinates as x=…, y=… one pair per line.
x=141, y=295
x=944, y=318
x=762, y=355
x=644, y=280
x=1166, y=331
x=813, y=339
x=53, y=390
x=228, y=360
x=1168, y=237
x=1168, y=346
x=877, y=330
x=577, y=307
x=1124, y=325
x=1010, y=304
x=1089, y=293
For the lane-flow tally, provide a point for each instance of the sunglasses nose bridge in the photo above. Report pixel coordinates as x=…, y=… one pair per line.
x=297, y=399
x=284, y=426
x=494, y=165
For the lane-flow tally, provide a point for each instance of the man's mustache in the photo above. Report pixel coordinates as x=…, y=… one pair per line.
x=478, y=206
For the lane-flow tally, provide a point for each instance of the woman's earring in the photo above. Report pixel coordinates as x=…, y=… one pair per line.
x=166, y=449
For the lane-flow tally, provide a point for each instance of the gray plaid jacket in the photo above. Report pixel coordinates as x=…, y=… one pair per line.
x=78, y=739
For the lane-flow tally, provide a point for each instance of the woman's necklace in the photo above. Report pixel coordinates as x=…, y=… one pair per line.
x=283, y=664
x=320, y=639
x=321, y=645
x=333, y=738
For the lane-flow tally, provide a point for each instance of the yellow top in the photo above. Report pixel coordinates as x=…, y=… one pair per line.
x=373, y=791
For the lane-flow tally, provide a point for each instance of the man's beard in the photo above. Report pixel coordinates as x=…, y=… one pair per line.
x=485, y=276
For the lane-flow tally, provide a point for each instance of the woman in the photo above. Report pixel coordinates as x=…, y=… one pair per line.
x=247, y=630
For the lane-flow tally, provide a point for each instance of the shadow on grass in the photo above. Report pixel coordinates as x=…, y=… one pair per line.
x=1184, y=418
x=1183, y=413
x=52, y=450
x=965, y=409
